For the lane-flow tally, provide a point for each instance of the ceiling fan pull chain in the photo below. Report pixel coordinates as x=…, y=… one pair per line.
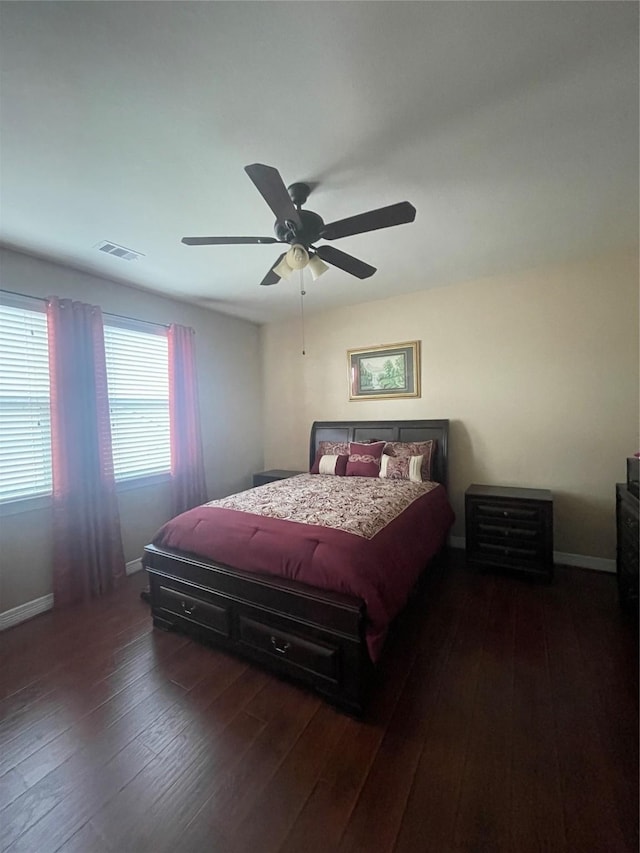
x=303, y=293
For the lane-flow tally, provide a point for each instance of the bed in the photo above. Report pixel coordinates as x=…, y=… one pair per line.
x=310, y=601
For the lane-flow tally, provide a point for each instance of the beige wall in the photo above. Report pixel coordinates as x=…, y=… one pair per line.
x=538, y=373
x=228, y=353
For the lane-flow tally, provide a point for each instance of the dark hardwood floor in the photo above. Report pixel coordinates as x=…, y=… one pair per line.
x=505, y=719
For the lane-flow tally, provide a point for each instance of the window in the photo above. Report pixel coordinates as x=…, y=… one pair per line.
x=25, y=420
x=138, y=381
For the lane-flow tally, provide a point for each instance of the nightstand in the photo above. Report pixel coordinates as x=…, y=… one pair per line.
x=510, y=528
x=270, y=476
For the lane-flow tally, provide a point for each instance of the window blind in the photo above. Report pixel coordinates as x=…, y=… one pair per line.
x=25, y=419
x=138, y=383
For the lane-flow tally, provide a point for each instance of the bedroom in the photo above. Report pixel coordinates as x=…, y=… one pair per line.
x=519, y=276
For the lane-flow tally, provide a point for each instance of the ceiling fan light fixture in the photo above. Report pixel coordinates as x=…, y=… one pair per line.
x=317, y=267
x=297, y=257
x=282, y=269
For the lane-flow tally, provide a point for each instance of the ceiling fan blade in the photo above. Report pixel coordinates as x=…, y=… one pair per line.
x=272, y=277
x=226, y=241
x=383, y=217
x=345, y=262
x=272, y=189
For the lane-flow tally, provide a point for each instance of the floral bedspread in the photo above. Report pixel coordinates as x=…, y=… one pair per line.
x=359, y=505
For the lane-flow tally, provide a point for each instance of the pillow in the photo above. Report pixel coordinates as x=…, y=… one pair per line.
x=364, y=459
x=401, y=468
x=328, y=463
x=404, y=449
x=329, y=448
x=334, y=448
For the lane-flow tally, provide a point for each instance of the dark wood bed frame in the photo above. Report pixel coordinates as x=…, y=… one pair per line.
x=307, y=634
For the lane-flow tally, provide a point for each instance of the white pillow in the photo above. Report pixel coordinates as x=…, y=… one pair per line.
x=401, y=468
x=327, y=464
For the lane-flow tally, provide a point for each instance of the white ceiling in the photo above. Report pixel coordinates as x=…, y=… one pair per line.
x=512, y=127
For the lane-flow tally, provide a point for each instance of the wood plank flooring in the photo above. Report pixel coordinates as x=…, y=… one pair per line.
x=505, y=718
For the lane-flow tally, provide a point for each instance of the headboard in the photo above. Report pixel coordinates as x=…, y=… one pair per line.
x=386, y=431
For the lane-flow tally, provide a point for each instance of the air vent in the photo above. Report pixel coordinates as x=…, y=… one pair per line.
x=118, y=251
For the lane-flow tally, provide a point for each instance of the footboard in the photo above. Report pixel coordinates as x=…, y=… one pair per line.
x=297, y=631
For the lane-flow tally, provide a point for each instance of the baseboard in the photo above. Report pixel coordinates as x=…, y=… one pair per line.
x=134, y=566
x=25, y=611
x=580, y=561
x=40, y=605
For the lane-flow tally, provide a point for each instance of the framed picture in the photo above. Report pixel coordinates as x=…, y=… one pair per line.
x=384, y=372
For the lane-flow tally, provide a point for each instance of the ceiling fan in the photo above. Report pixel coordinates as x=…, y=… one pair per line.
x=302, y=228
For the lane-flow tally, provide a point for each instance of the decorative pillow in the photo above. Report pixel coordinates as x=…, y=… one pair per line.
x=334, y=448
x=364, y=459
x=328, y=463
x=402, y=449
x=401, y=468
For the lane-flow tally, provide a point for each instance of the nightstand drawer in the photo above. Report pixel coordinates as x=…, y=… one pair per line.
x=512, y=551
x=514, y=532
x=497, y=511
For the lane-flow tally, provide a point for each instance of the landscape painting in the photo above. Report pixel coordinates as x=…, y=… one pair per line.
x=386, y=371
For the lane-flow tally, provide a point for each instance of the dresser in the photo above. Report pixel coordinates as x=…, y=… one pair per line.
x=627, y=546
x=271, y=476
x=510, y=528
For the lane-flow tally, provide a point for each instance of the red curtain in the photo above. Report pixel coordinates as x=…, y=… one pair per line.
x=88, y=555
x=189, y=488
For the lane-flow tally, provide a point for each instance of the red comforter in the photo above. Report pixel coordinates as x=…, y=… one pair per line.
x=362, y=536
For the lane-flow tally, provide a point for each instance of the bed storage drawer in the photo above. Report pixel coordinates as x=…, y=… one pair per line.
x=289, y=646
x=192, y=604
x=304, y=634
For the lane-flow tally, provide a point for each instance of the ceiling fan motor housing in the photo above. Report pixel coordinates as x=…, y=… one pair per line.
x=299, y=193
x=288, y=231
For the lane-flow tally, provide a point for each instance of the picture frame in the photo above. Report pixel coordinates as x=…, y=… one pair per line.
x=384, y=372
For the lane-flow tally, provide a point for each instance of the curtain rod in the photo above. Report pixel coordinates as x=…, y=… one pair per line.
x=105, y=313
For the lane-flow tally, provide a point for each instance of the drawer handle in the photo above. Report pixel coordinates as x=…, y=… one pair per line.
x=282, y=649
x=186, y=609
